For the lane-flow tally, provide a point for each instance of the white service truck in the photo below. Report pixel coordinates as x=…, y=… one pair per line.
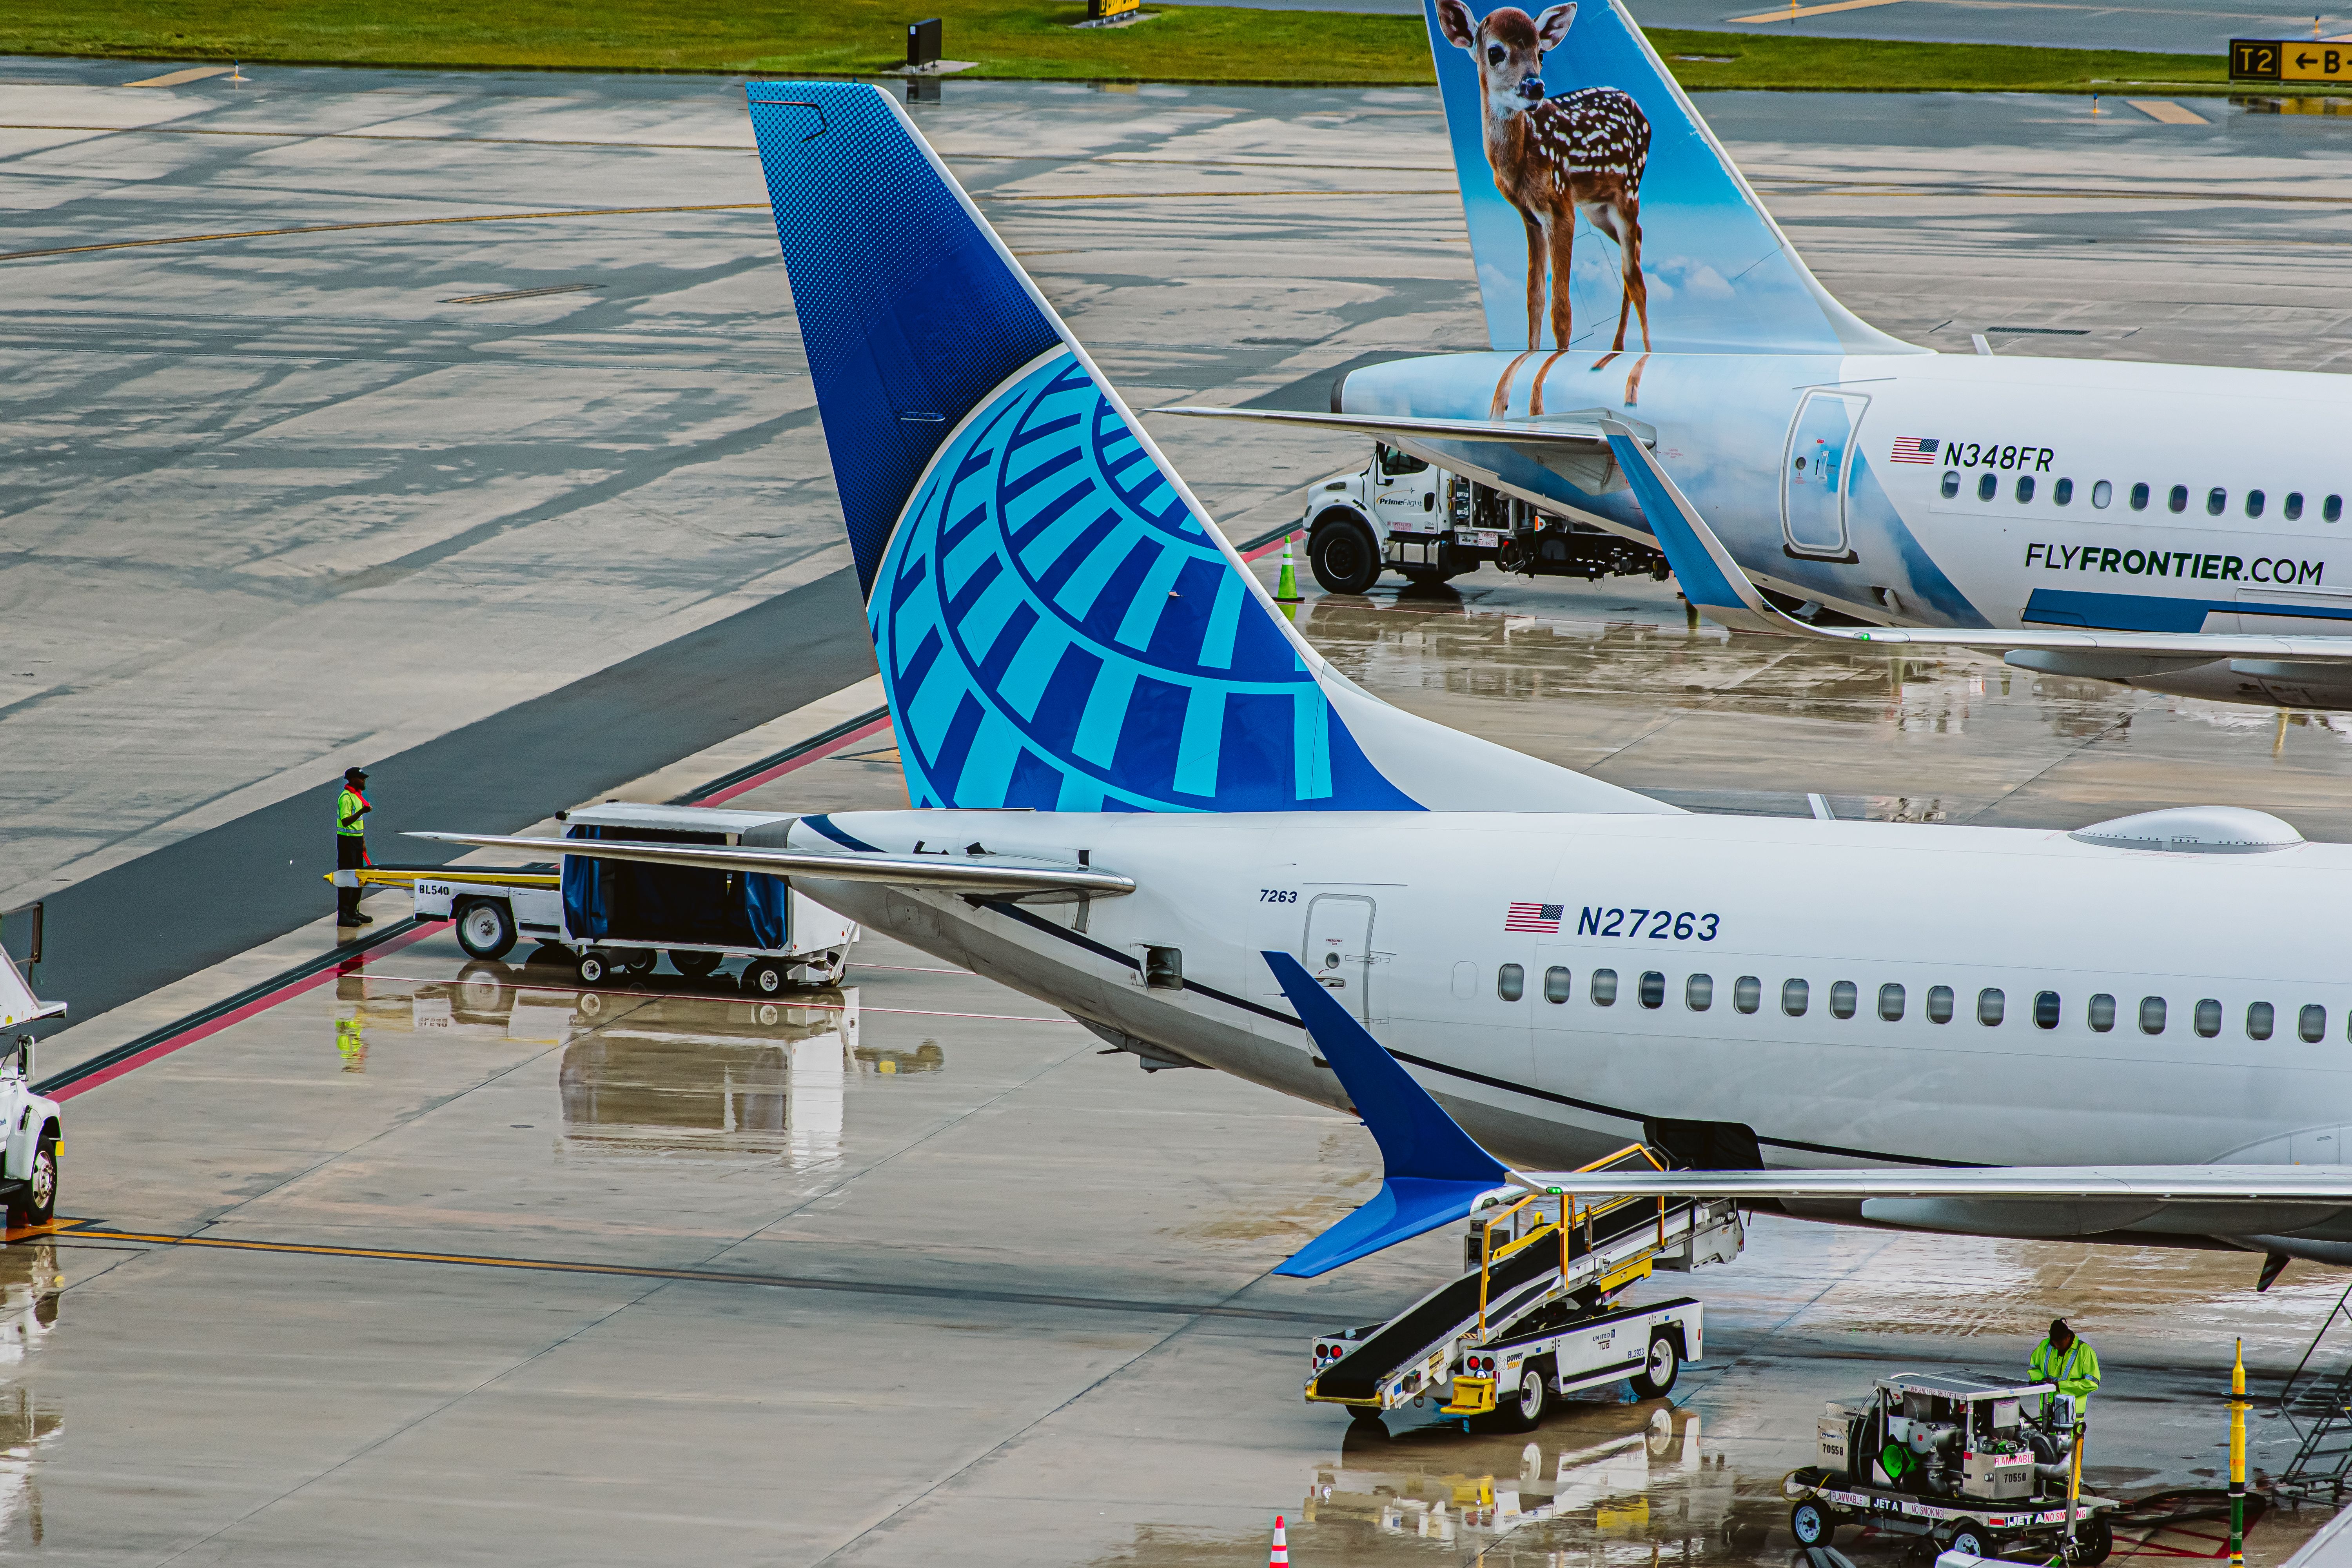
x=1403, y=514
x=35, y=1123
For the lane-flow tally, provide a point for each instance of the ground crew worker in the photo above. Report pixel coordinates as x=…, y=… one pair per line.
x=351, y=845
x=2072, y=1365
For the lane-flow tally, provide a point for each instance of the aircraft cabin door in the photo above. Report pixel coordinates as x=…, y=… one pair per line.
x=1816, y=472
x=1339, y=949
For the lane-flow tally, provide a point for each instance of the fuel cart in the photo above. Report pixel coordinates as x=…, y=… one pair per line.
x=611, y=918
x=1961, y=1463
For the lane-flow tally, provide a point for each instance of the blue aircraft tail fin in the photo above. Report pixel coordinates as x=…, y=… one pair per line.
x=1433, y=1171
x=1569, y=109
x=1058, y=623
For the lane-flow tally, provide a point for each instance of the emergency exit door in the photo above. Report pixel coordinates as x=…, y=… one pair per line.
x=1339, y=949
x=1816, y=472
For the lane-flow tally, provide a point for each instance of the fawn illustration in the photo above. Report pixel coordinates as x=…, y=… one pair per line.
x=1554, y=157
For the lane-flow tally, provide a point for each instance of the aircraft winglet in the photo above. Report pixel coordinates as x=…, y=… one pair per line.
x=1710, y=578
x=1434, y=1171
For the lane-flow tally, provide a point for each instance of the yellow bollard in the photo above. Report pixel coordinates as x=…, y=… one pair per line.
x=2238, y=1459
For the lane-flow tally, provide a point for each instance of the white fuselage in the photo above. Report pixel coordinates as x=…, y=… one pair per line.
x=2155, y=497
x=1414, y=907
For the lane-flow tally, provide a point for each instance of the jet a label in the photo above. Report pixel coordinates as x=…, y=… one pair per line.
x=2282, y=571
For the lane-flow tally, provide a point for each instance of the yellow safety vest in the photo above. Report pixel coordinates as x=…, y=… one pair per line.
x=2076, y=1372
x=348, y=805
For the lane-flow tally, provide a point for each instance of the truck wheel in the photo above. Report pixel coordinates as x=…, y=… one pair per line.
x=2093, y=1539
x=40, y=1205
x=1344, y=558
x=694, y=966
x=1524, y=1411
x=1656, y=1378
x=766, y=977
x=593, y=967
x=486, y=929
x=1810, y=1523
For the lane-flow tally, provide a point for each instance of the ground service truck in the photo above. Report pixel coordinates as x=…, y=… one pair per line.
x=1399, y=514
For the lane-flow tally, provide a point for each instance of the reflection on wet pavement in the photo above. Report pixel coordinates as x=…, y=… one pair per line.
x=30, y=1287
x=1611, y=678
x=693, y=1071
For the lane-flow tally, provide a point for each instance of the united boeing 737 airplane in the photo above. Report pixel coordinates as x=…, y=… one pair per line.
x=1839, y=464
x=1133, y=779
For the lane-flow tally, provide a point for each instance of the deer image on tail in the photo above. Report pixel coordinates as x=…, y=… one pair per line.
x=1555, y=157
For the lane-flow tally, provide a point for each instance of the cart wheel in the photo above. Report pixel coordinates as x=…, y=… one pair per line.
x=766, y=978
x=694, y=966
x=634, y=961
x=486, y=929
x=1656, y=1379
x=2093, y=1539
x=1969, y=1539
x=1810, y=1523
x=1524, y=1411
x=593, y=966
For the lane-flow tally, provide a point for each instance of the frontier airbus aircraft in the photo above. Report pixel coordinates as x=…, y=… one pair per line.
x=2102, y=511
x=1132, y=778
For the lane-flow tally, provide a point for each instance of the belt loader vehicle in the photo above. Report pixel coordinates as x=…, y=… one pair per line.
x=1535, y=1316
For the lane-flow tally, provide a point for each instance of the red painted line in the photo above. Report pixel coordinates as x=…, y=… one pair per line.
x=803, y=760
x=257, y=1006
x=1269, y=548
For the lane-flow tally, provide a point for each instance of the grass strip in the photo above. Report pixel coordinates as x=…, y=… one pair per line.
x=1023, y=40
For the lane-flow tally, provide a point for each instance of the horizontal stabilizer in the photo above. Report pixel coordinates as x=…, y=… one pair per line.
x=982, y=876
x=2010, y=1183
x=1433, y=1173
x=1584, y=434
x=1712, y=581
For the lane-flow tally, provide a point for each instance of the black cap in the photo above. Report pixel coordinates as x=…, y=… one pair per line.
x=355, y=775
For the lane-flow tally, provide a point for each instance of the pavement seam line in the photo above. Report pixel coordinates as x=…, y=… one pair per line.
x=406, y=1426
x=893, y=1514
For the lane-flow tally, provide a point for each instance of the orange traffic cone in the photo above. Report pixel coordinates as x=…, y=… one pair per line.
x=1281, y=1558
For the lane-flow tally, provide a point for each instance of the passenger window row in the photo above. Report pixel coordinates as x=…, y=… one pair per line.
x=1845, y=998
x=2217, y=499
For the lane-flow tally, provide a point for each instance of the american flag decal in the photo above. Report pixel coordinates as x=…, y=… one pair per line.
x=1915, y=449
x=1541, y=919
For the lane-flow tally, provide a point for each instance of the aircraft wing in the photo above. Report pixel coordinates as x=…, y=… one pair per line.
x=1713, y=581
x=1577, y=429
x=2007, y=1184
x=986, y=876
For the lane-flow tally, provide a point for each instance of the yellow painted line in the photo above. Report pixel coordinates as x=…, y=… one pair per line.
x=173, y=79
x=1183, y=195
x=87, y=1231
x=2168, y=112
x=1784, y=15
x=377, y=135
x=385, y=222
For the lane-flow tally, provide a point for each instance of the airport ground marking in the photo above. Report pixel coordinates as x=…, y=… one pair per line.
x=92, y=1230
x=381, y=223
x=769, y=769
x=1793, y=13
x=186, y=1030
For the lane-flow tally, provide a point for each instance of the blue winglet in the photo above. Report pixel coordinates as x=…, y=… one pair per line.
x=1434, y=1171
